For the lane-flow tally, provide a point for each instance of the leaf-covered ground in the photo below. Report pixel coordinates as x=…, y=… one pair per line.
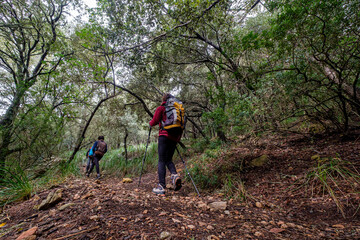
x=111, y=209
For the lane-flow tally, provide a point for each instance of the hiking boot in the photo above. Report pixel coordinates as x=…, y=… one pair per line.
x=88, y=174
x=98, y=176
x=159, y=190
x=176, y=181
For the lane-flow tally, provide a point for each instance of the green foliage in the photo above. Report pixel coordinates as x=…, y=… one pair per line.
x=320, y=72
x=293, y=65
x=215, y=144
x=241, y=111
x=28, y=69
x=203, y=178
x=332, y=176
x=112, y=164
x=114, y=161
x=234, y=113
x=214, y=170
x=66, y=169
x=234, y=187
x=203, y=145
x=36, y=128
x=200, y=145
x=14, y=185
x=201, y=168
x=218, y=168
x=211, y=174
x=251, y=41
x=217, y=117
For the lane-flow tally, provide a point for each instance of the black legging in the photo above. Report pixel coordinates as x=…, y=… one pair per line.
x=88, y=164
x=166, y=149
x=95, y=162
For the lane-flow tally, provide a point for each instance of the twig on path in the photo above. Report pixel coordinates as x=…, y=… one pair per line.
x=74, y=234
x=51, y=220
x=181, y=215
x=48, y=228
x=51, y=231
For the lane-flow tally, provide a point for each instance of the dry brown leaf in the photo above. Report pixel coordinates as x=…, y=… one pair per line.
x=176, y=221
x=277, y=230
x=163, y=214
x=180, y=215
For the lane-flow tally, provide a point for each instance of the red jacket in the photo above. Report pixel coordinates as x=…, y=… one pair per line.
x=160, y=116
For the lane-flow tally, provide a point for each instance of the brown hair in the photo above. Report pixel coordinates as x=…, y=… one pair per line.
x=165, y=97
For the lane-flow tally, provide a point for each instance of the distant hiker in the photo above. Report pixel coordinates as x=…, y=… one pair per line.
x=89, y=160
x=166, y=147
x=97, y=151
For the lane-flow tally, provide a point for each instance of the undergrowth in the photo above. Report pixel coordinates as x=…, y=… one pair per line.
x=17, y=184
x=14, y=185
x=334, y=177
x=234, y=188
x=115, y=163
x=214, y=170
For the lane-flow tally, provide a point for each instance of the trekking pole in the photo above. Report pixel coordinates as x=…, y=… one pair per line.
x=188, y=171
x=142, y=165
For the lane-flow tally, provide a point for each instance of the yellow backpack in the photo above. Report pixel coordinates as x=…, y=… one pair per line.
x=175, y=116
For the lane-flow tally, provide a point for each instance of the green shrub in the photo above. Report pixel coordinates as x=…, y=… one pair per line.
x=215, y=143
x=234, y=187
x=332, y=176
x=203, y=178
x=15, y=185
x=114, y=162
x=199, y=145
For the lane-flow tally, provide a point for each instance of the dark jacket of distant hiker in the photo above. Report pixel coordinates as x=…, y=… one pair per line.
x=97, y=151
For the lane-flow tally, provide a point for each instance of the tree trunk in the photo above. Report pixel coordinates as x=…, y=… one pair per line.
x=134, y=95
x=194, y=132
x=221, y=135
x=125, y=146
x=82, y=135
x=196, y=126
x=6, y=126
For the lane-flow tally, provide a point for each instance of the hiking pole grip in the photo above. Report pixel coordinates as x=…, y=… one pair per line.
x=142, y=165
x=187, y=171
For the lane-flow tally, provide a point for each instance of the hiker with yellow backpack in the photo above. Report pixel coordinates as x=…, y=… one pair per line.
x=170, y=116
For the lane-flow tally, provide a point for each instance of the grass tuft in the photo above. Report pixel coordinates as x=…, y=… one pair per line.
x=115, y=163
x=15, y=185
x=332, y=176
x=234, y=188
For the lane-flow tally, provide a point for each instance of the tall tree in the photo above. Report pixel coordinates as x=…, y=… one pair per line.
x=29, y=32
x=318, y=44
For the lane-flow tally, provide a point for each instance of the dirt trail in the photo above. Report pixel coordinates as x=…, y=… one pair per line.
x=111, y=209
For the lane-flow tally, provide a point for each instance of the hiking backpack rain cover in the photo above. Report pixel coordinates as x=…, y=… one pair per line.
x=175, y=116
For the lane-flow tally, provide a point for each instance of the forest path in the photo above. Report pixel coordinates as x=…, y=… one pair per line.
x=110, y=209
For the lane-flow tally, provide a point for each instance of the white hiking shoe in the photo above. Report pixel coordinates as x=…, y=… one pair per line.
x=176, y=181
x=159, y=190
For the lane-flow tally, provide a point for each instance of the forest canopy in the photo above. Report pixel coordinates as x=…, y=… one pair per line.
x=240, y=67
